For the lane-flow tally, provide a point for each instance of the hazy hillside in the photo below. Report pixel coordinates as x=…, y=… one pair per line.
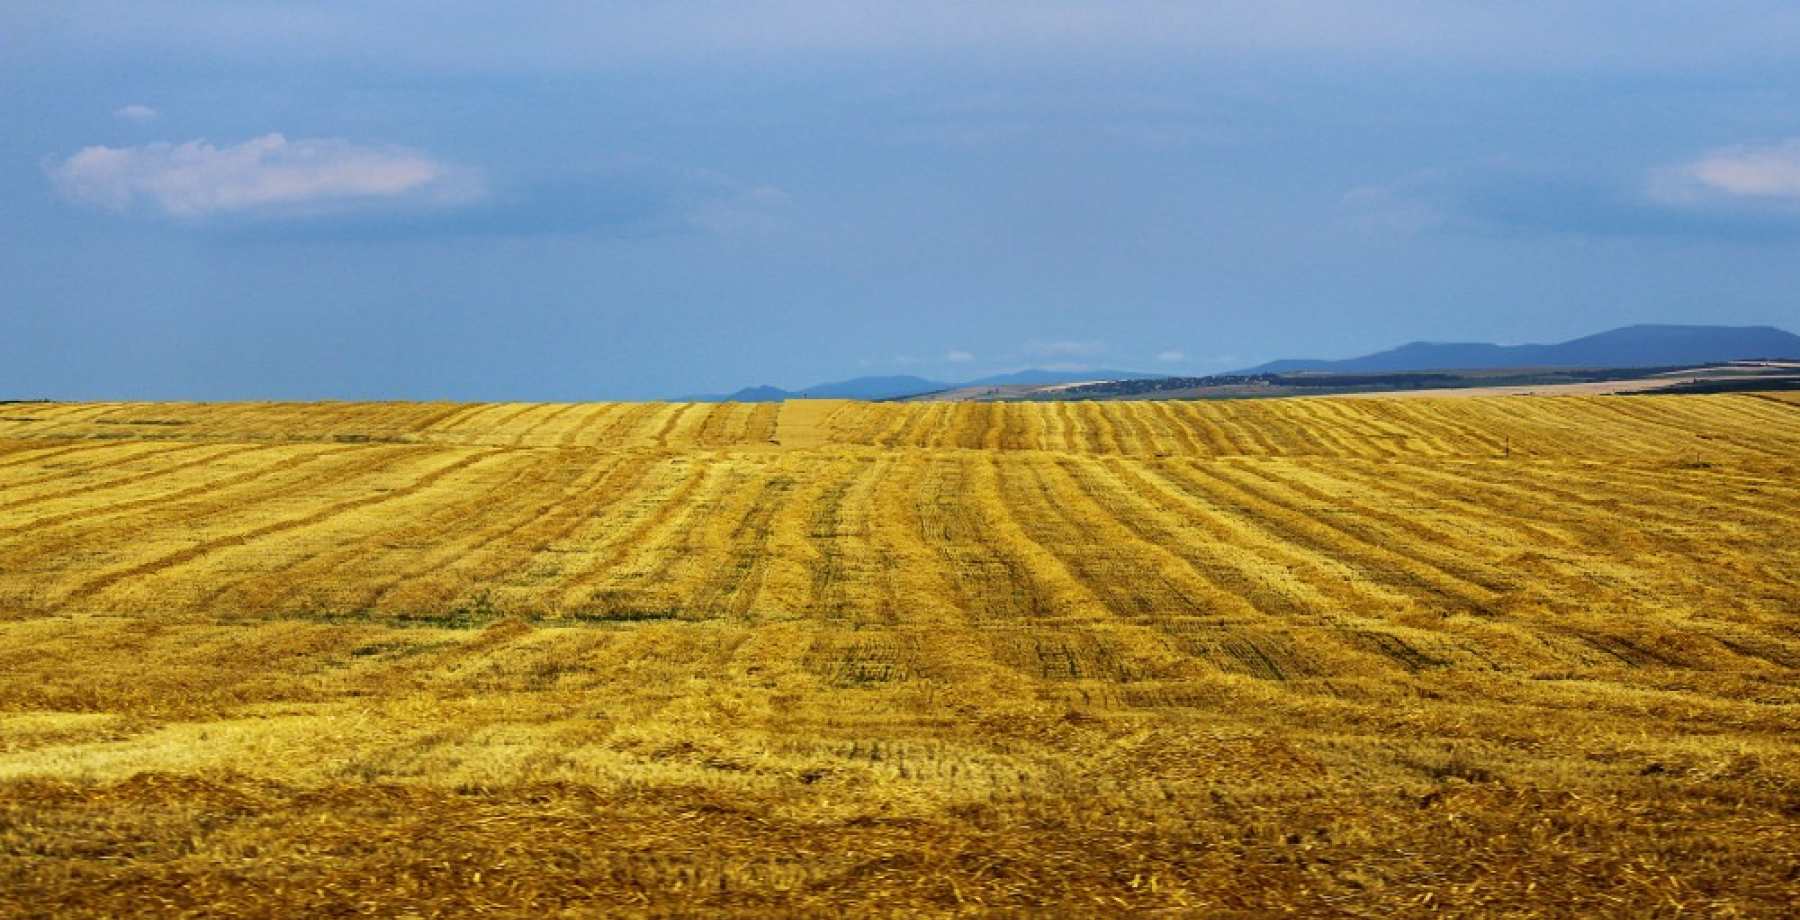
x=1038, y=378
x=872, y=388
x=1629, y=346
x=903, y=385
x=855, y=388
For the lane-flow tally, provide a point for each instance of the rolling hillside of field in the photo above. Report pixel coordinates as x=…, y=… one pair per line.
x=1346, y=657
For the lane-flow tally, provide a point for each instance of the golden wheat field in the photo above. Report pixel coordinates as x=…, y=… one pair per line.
x=1358, y=658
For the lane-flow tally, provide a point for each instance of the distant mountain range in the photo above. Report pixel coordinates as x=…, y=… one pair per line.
x=904, y=385
x=1628, y=346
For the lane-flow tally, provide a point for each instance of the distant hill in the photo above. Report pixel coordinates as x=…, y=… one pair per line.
x=1628, y=346
x=747, y=394
x=855, y=388
x=872, y=388
x=1041, y=378
x=898, y=386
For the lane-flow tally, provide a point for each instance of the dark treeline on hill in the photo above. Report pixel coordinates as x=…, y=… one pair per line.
x=1306, y=383
x=1116, y=388
x=1629, y=346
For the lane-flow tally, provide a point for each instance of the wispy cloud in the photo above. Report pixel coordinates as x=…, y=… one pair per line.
x=137, y=113
x=725, y=208
x=1767, y=173
x=268, y=175
x=271, y=187
x=1063, y=348
x=1744, y=193
x=1402, y=208
x=1171, y=356
x=958, y=356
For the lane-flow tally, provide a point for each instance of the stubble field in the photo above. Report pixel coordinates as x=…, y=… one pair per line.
x=1370, y=657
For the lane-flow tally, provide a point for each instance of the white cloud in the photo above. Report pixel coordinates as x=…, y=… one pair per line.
x=263, y=175
x=958, y=356
x=1766, y=172
x=1171, y=356
x=137, y=113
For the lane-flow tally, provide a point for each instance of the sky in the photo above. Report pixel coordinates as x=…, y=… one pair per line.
x=626, y=200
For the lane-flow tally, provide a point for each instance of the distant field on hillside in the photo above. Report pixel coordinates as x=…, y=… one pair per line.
x=1352, y=657
x=1733, y=377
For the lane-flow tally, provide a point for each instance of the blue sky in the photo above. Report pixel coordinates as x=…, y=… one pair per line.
x=227, y=200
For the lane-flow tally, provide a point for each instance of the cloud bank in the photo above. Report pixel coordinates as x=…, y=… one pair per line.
x=263, y=176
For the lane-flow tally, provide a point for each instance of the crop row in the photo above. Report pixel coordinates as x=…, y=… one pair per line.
x=1603, y=428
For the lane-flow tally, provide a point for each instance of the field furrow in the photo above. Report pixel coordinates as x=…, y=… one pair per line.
x=159, y=468
x=516, y=562
x=82, y=591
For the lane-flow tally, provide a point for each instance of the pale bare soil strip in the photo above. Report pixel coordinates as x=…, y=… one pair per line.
x=1341, y=657
x=1592, y=388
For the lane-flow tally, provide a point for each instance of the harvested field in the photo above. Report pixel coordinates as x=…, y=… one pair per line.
x=1477, y=656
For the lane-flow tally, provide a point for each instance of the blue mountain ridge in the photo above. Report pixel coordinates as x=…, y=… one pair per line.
x=1627, y=346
